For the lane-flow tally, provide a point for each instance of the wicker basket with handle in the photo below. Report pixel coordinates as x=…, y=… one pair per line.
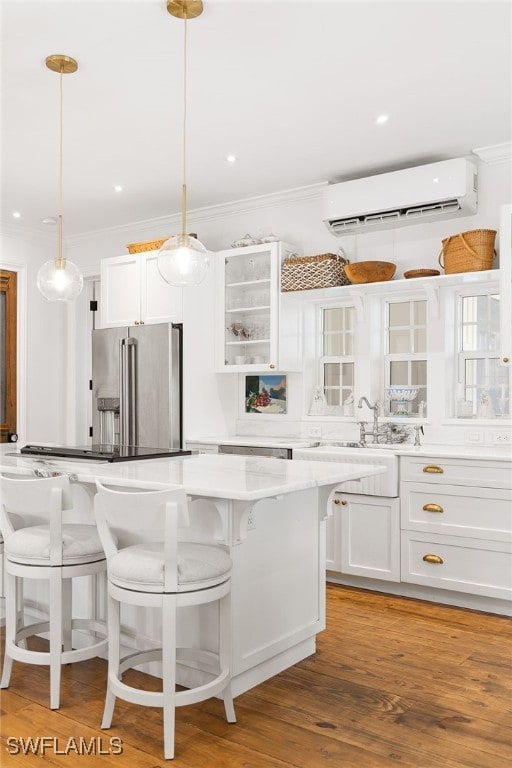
x=302, y=273
x=471, y=251
x=147, y=245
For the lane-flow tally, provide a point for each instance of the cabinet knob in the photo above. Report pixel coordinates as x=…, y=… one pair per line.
x=340, y=501
x=271, y=366
x=434, y=559
x=141, y=322
x=433, y=469
x=337, y=501
x=433, y=508
x=136, y=322
x=506, y=359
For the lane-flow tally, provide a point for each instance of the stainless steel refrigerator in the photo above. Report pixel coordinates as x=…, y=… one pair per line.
x=137, y=386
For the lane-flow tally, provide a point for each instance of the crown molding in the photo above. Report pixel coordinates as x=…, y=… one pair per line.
x=195, y=216
x=496, y=153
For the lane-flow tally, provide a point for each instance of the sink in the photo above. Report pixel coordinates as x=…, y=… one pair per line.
x=378, y=485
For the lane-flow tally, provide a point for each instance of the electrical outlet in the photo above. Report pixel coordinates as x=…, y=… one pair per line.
x=314, y=431
x=502, y=438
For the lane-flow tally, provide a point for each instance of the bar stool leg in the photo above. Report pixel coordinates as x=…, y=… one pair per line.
x=11, y=620
x=67, y=586
x=55, y=583
x=114, y=639
x=225, y=653
x=169, y=607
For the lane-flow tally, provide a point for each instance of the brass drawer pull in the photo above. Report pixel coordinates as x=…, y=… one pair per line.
x=433, y=508
x=433, y=469
x=433, y=559
x=340, y=501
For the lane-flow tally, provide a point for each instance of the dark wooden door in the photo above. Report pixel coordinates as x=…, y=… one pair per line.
x=8, y=313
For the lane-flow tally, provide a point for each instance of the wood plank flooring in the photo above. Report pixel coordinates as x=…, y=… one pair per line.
x=395, y=682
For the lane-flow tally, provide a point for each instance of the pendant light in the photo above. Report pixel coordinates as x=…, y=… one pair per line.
x=183, y=260
x=59, y=279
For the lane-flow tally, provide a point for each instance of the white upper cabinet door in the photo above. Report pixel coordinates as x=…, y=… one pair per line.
x=251, y=331
x=134, y=292
x=160, y=302
x=506, y=285
x=120, y=291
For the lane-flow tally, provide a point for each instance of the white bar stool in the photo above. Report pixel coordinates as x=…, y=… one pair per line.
x=46, y=546
x=147, y=566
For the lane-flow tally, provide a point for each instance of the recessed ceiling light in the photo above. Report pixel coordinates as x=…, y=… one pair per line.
x=231, y=158
x=49, y=220
x=381, y=119
x=16, y=215
x=118, y=188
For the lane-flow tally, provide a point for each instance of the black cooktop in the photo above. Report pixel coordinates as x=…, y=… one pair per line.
x=101, y=452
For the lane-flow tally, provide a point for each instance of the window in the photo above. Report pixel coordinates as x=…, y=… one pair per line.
x=8, y=355
x=483, y=383
x=337, y=360
x=405, y=361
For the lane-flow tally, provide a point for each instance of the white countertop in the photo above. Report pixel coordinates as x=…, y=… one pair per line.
x=245, y=478
x=482, y=452
x=261, y=441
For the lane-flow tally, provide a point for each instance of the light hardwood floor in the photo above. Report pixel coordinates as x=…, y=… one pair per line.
x=394, y=682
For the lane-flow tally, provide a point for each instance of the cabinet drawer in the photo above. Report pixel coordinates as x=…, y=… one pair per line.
x=481, y=513
x=463, y=565
x=467, y=472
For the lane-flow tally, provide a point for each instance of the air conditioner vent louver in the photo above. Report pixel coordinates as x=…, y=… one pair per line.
x=421, y=194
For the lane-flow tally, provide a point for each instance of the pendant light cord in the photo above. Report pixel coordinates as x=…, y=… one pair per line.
x=60, y=259
x=184, y=187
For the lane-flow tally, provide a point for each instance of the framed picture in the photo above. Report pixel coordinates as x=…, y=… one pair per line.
x=265, y=394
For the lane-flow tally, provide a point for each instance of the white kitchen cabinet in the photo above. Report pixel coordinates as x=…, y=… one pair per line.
x=456, y=519
x=506, y=285
x=201, y=447
x=369, y=536
x=253, y=333
x=133, y=292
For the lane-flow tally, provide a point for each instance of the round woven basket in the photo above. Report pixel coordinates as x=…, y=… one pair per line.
x=471, y=251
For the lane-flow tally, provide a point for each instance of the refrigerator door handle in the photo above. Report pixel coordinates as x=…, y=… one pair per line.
x=127, y=392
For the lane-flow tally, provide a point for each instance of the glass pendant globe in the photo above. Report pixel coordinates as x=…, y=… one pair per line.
x=183, y=261
x=60, y=282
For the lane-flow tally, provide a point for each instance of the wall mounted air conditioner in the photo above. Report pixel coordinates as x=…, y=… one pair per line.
x=415, y=195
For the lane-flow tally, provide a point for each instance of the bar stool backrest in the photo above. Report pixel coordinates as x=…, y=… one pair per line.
x=36, y=501
x=126, y=518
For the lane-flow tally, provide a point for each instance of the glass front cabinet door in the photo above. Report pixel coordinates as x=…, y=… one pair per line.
x=254, y=330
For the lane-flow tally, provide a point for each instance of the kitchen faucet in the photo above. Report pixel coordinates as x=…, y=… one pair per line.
x=362, y=424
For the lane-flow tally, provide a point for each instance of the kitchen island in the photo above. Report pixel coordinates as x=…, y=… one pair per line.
x=269, y=514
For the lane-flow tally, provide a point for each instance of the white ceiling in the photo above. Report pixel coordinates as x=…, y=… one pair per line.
x=292, y=88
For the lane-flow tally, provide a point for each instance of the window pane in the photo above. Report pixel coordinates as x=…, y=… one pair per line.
x=399, y=341
x=480, y=323
x=333, y=345
x=399, y=314
x=349, y=318
x=419, y=372
x=332, y=375
x=420, y=312
x=332, y=396
x=420, y=340
x=349, y=344
x=398, y=373
x=333, y=319
x=347, y=374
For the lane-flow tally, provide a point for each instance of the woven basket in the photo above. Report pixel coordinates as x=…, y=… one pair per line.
x=303, y=273
x=148, y=245
x=470, y=251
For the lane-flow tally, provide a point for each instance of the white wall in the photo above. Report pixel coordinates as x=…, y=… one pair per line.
x=42, y=332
